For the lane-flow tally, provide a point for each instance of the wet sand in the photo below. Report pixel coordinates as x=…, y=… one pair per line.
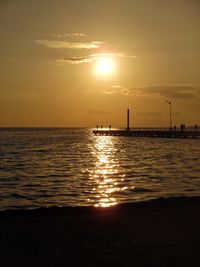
x=155, y=233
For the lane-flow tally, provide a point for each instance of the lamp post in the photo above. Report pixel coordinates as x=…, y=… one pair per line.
x=170, y=114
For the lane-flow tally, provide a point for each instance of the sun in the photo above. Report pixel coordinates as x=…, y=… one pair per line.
x=104, y=66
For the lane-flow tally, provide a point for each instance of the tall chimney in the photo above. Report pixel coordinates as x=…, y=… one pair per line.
x=128, y=128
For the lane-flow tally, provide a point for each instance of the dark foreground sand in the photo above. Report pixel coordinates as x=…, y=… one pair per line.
x=158, y=233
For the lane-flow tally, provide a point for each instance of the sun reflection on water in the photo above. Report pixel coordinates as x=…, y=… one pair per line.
x=102, y=176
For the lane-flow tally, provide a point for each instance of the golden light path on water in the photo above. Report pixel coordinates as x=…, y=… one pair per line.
x=104, y=178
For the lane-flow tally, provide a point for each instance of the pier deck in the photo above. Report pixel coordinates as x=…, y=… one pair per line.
x=150, y=133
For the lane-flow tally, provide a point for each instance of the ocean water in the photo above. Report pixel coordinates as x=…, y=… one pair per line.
x=72, y=167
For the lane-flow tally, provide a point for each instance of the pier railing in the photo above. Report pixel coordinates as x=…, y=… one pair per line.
x=151, y=132
x=178, y=129
x=187, y=129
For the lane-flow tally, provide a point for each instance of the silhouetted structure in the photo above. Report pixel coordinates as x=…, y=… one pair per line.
x=150, y=133
x=128, y=128
x=175, y=132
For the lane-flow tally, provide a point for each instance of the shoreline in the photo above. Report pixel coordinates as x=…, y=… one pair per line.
x=164, y=232
x=68, y=210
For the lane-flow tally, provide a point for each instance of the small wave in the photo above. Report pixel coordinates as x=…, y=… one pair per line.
x=189, y=189
x=69, y=210
x=16, y=195
x=142, y=189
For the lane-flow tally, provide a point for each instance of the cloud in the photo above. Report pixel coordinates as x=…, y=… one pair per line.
x=90, y=58
x=74, y=60
x=57, y=44
x=112, y=55
x=116, y=86
x=168, y=91
x=112, y=89
x=71, y=35
x=109, y=91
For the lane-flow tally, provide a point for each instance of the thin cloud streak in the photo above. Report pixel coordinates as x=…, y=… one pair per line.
x=91, y=58
x=74, y=60
x=113, y=55
x=72, y=35
x=55, y=44
x=112, y=89
x=168, y=91
x=108, y=91
x=174, y=91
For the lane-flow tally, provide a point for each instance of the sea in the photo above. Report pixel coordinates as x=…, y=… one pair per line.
x=45, y=167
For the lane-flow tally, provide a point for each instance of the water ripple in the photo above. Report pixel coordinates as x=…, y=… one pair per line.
x=71, y=167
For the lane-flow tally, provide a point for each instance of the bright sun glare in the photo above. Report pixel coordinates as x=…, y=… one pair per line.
x=104, y=66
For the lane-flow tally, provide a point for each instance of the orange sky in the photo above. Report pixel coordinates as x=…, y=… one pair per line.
x=49, y=51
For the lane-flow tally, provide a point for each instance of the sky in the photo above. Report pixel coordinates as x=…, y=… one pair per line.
x=51, y=72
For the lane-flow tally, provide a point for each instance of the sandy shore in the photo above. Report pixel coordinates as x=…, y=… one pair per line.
x=155, y=233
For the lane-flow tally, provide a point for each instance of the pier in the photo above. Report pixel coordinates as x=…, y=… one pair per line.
x=181, y=132
x=150, y=133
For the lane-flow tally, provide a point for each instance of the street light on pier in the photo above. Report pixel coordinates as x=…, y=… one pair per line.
x=170, y=114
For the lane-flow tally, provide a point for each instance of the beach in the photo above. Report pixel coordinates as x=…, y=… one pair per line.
x=162, y=232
